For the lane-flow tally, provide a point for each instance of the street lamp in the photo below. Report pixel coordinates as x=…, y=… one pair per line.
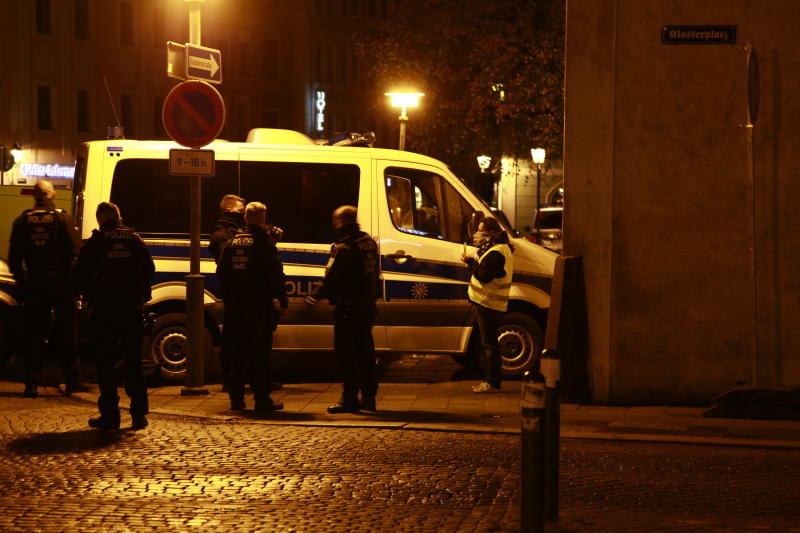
x=484, y=161
x=404, y=101
x=538, y=156
x=8, y=158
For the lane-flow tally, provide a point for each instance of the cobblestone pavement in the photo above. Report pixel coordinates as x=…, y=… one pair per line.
x=184, y=474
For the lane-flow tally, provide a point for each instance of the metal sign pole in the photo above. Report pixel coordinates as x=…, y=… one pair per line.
x=195, y=282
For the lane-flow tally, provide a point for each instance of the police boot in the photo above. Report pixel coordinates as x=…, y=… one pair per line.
x=345, y=405
x=31, y=391
x=104, y=422
x=368, y=403
x=138, y=421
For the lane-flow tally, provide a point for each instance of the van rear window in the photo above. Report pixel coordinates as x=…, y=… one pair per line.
x=300, y=197
x=157, y=205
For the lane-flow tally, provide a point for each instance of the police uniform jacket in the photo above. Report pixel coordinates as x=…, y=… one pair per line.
x=226, y=227
x=492, y=273
x=43, y=244
x=249, y=270
x=115, y=266
x=352, y=272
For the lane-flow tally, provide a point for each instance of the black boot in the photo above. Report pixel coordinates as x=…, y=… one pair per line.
x=344, y=406
x=104, y=422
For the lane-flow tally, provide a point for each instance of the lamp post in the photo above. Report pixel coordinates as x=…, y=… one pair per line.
x=404, y=100
x=8, y=158
x=485, y=183
x=538, y=156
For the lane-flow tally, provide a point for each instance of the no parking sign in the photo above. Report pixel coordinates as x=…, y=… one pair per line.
x=193, y=113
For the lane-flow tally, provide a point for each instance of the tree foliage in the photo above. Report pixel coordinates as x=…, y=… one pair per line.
x=491, y=70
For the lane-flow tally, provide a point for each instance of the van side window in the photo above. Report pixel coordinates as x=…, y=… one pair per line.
x=301, y=197
x=423, y=203
x=157, y=205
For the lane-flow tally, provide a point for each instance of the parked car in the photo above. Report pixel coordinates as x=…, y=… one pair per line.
x=547, y=228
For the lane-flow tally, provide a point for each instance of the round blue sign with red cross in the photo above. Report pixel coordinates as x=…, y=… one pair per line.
x=193, y=113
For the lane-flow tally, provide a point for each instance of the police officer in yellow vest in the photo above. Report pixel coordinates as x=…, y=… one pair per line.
x=488, y=291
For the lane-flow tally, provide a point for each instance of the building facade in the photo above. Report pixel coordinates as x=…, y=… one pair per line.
x=75, y=67
x=681, y=173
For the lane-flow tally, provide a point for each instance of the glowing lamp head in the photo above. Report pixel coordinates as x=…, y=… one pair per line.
x=405, y=99
x=16, y=151
x=538, y=154
x=483, y=162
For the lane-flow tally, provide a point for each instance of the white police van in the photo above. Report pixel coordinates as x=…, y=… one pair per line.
x=416, y=209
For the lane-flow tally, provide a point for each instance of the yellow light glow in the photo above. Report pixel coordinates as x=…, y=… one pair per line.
x=405, y=99
x=538, y=155
x=484, y=161
x=16, y=152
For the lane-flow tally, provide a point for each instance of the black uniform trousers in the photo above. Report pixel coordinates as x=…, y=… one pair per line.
x=487, y=327
x=250, y=328
x=355, y=349
x=116, y=331
x=43, y=297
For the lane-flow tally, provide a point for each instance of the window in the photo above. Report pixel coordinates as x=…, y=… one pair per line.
x=44, y=111
x=269, y=119
x=270, y=62
x=159, y=39
x=157, y=205
x=318, y=61
x=127, y=114
x=244, y=60
x=240, y=121
x=345, y=57
x=126, y=23
x=43, y=16
x=422, y=203
x=158, y=122
x=301, y=197
x=81, y=19
x=83, y=121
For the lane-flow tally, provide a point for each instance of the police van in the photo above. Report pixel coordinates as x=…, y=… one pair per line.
x=420, y=214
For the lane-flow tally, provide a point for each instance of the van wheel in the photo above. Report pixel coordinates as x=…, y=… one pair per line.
x=521, y=339
x=167, y=347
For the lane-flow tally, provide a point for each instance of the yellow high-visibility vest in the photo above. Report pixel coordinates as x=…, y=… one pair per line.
x=494, y=294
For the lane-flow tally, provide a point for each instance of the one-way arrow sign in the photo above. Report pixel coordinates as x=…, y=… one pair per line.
x=203, y=63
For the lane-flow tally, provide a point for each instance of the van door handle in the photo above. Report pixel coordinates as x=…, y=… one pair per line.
x=400, y=257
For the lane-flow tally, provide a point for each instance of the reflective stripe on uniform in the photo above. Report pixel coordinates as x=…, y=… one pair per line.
x=493, y=294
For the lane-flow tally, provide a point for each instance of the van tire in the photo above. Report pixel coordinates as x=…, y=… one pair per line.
x=521, y=339
x=166, y=347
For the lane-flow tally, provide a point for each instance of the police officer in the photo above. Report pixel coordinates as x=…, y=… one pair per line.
x=42, y=249
x=488, y=291
x=351, y=284
x=114, y=271
x=251, y=275
x=230, y=221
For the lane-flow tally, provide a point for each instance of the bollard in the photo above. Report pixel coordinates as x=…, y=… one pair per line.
x=532, y=410
x=550, y=365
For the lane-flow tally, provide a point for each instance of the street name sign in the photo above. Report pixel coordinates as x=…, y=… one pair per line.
x=193, y=113
x=698, y=34
x=191, y=162
x=203, y=63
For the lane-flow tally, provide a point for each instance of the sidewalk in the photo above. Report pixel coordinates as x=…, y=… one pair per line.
x=452, y=406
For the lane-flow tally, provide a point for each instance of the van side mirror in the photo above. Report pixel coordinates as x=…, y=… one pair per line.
x=475, y=221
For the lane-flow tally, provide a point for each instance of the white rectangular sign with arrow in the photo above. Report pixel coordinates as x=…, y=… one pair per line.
x=203, y=64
